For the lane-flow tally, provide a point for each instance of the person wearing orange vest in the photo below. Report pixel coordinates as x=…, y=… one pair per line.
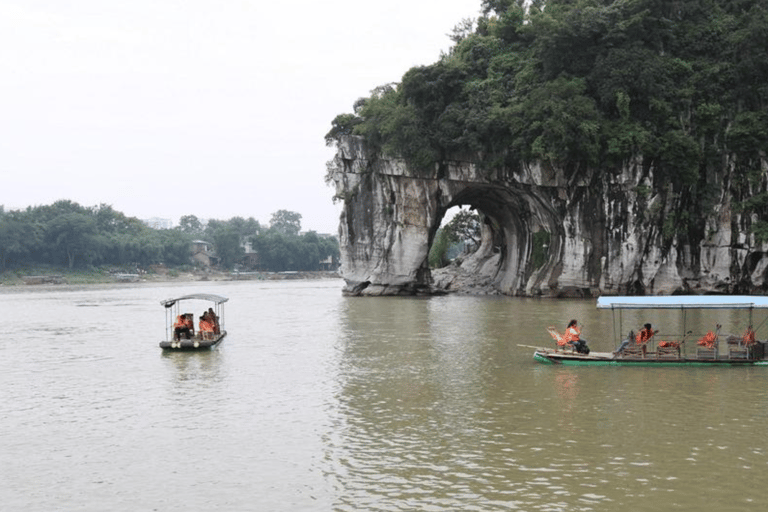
x=645, y=334
x=214, y=320
x=183, y=325
x=206, y=325
x=573, y=337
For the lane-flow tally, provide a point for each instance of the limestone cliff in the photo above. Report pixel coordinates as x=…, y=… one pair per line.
x=595, y=233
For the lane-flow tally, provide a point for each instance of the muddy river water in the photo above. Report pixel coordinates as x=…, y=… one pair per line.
x=319, y=402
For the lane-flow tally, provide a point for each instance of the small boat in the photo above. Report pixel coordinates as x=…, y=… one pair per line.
x=199, y=340
x=712, y=349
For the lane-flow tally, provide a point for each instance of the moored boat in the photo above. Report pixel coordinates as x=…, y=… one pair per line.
x=711, y=349
x=199, y=339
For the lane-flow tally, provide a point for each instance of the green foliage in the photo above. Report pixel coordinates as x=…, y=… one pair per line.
x=540, y=248
x=682, y=86
x=71, y=235
x=462, y=232
x=286, y=222
x=291, y=252
x=228, y=249
x=343, y=124
x=464, y=228
x=760, y=230
x=437, y=253
x=191, y=225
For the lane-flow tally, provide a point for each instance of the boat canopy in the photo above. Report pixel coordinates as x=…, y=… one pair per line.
x=217, y=299
x=684, y=302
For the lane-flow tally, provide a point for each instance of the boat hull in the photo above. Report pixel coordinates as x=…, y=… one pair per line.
x=546, y=356
x=193, y=344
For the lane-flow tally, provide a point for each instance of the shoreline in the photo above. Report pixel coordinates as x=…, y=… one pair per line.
x=45, y=277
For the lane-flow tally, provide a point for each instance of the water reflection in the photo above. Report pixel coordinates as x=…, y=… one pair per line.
x=194, y=367
x=438, y=409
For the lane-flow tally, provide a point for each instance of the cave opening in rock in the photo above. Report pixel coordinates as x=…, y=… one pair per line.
x=476, y=221
x=458, y=236
x=515, y=242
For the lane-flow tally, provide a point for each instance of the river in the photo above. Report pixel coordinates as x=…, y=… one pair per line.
x=319, y=402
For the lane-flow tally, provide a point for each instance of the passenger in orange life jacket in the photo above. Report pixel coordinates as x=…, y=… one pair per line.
x=214, y=320
x=573, y=337
x=645, y=334
x=183, y=325
x=206, y=324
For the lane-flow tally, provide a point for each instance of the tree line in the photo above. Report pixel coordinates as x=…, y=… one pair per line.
x=679, y=87
x=70, y=235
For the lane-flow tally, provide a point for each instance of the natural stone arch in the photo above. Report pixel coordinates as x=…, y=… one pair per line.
x=390, y=218
x=600, y=232
x=512, y=216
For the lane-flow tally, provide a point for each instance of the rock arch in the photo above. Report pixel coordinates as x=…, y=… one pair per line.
x=547, y=234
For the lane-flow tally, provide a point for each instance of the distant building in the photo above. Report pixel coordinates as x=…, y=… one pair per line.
x=328, y=263
x=250, y=256
x=158, y=223
x=202, y=252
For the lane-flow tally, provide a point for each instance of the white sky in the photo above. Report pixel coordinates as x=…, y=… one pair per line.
x=215, y=108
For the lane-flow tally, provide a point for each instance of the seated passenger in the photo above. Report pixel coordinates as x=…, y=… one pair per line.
x=182, y=326
x=749, y=337
x=573, y=337
x=643, y=336
x=215, y=320
x=625, y=343
x=190, y=323
x=206, y=326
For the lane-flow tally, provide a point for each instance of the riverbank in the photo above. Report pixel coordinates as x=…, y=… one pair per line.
x=32, y=276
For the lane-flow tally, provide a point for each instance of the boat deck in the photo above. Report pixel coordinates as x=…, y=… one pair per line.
x=551, y=356
x=196, y=343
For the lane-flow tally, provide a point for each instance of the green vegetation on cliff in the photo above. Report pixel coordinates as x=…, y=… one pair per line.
x=589, y=85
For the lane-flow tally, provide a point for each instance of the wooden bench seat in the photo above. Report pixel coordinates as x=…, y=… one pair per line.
x=706, y=353
x=633, y=350
x=667, y=352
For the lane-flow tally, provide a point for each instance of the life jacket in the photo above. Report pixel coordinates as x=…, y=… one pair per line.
x=669, y=344
x=749, y=336
x=571, y=334
x=708, y=340
x=643, y=336
x=180, y=322
x=188, y=323
x=206, y=326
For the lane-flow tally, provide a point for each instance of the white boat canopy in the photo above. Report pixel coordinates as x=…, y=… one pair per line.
x=685, y=302
x=216, y=299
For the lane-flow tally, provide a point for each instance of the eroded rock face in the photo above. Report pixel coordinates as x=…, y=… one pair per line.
x=544, y=234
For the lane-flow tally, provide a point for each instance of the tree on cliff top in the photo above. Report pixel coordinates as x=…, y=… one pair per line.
x=590, y=84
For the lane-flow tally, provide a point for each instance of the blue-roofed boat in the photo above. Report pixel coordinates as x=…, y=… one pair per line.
x=714, y=346
x=187, y=305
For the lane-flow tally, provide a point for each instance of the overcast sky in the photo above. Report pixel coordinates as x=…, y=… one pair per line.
x=215, y=108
